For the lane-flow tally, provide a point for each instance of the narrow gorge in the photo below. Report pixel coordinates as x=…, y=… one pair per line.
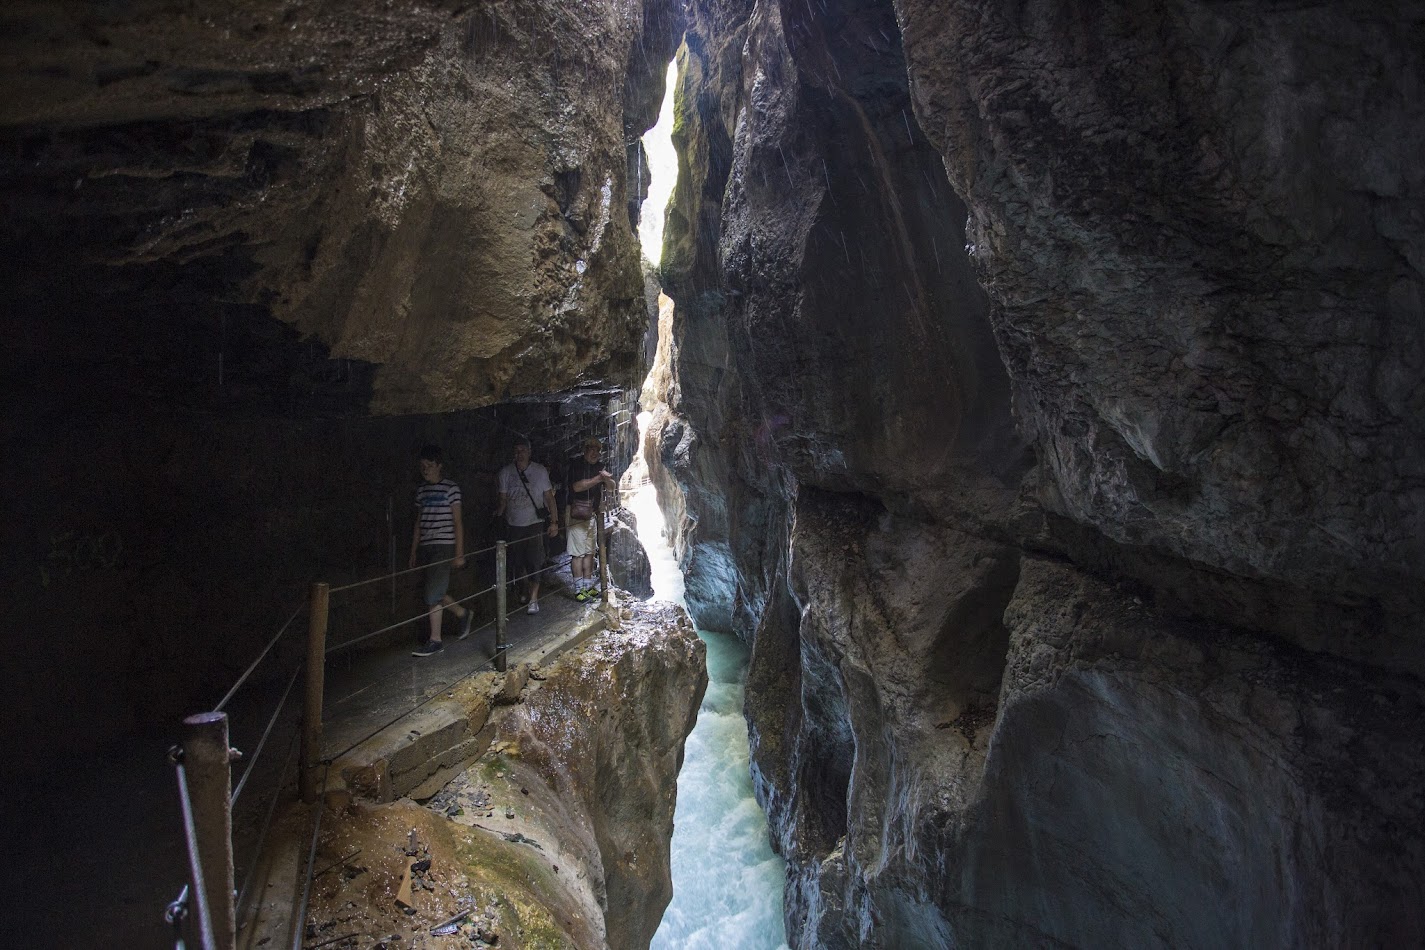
x=1038, y=394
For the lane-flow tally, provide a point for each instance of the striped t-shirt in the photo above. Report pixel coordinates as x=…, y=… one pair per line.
x=434, y=504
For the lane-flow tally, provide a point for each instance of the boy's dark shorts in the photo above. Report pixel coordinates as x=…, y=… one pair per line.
x=437, y=575
x=526, y=550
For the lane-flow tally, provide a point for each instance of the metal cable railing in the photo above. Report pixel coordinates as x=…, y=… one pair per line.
x=299, y=929
x=437, y=691
x=410, y=570
x=195, y=864
x=260, y=657
x=272, y=721
x=401, y=623
x=204, y=866
x=261, y=840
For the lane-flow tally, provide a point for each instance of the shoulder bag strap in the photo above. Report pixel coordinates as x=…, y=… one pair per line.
x=525, y=482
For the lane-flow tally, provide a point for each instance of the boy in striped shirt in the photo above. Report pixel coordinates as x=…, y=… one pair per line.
x=438, y=542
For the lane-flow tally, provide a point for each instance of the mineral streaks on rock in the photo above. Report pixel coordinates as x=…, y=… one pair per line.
x=438, y=191
x=1252, y=794
x=1200, y=227
x=902, y=650
x=829, y=329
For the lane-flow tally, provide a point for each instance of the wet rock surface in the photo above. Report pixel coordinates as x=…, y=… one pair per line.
x=558, y=835
x=628, y=561
x=1042, y=756
x=1079, y=605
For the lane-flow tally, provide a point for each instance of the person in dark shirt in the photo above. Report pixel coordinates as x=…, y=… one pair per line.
x=587, y=480
x=438, y=542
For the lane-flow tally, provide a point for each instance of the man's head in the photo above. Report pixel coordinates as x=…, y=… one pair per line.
x=522, y=451
x=592, y=449
x=432, y=461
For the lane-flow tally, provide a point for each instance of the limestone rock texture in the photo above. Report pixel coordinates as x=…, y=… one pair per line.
x=1201, y=226
x=558, y=836
x=1043, y=406
x=628, y=561
x=437, y=192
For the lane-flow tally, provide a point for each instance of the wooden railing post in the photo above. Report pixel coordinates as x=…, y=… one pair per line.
x=501, y=573
x=312, y=710
x=208, y=770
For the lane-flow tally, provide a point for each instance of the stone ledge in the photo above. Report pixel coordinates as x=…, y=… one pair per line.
x=416, y=755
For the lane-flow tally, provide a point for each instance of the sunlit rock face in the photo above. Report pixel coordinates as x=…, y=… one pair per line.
x=607, y=741
x=1082, y=605
x=562, y=826
x=438, y=192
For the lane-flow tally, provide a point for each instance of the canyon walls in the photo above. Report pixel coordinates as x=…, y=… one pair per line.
x=1073, y=511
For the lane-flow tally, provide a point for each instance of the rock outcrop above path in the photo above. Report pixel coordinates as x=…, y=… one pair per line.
x=417, y=208
x=1073, y=512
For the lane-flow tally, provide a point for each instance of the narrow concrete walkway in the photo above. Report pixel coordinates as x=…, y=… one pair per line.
x=393, y=723
x=373, y=689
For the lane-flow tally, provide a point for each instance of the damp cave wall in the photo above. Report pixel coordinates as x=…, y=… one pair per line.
x=254, y=255
x=1073, y=511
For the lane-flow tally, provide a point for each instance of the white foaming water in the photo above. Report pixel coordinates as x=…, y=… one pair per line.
x=727, y=883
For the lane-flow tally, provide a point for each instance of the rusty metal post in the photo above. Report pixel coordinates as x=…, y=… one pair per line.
x=208, y=770
x=501, y=573
x=316, y=681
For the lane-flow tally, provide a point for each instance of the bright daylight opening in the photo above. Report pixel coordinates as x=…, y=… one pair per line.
x=662, y=171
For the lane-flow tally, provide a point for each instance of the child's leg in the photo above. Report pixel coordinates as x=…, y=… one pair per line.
x=437, y=583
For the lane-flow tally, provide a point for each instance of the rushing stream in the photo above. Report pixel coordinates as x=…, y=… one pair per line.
x=727, y=883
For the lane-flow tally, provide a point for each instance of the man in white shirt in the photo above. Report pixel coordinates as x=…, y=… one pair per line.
x=526, y=500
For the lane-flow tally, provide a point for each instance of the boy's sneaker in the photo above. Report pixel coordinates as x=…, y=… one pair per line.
x=465, y=624
x=533, y=607
x=582, y=596
x=427, y=648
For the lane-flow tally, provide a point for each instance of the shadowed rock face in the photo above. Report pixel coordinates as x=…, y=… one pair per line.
x=1085, y=608
x=1200, y=225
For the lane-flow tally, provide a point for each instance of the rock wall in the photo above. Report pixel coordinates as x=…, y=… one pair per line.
x=1201, y=229
x=436, y=193
x=559, y=835
x=1077, y=615
x=253, y=255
